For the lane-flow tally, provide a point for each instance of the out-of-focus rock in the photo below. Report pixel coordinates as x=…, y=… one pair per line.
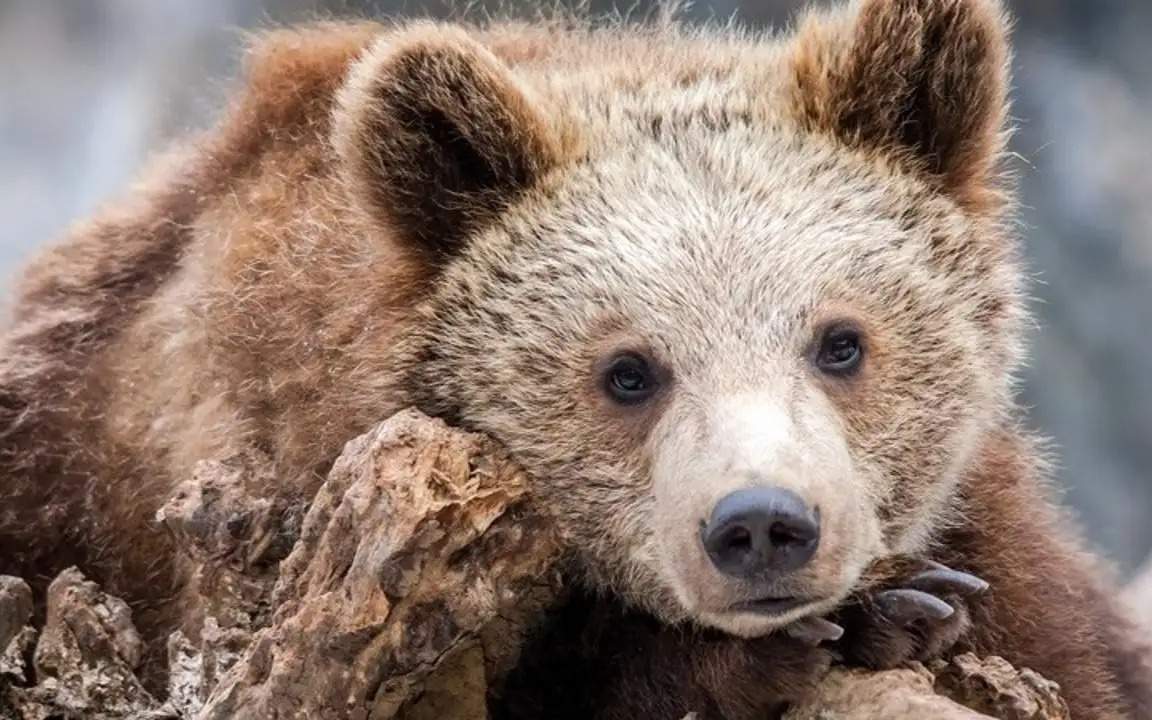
x=86, y=657
x=992, y=686
x=965, y=688
x=15, y=608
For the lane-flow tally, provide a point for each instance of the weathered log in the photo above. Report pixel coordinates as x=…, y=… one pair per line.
x=902, y=694
x=15, y=608
x=992, y=686
x=233, y=525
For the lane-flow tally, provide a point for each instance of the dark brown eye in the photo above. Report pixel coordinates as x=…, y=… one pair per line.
x=628, y=380
x=841, y=351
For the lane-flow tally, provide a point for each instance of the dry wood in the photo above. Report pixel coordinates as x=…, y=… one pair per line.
x=965, y=688
x=234, y=528
x=403, y=590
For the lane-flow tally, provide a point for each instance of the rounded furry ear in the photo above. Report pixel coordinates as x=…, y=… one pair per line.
x=436, y=137
x=923, y=80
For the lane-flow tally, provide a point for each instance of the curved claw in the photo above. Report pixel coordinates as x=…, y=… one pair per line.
x=941, y=580
x=904, y=606
x=814, y=630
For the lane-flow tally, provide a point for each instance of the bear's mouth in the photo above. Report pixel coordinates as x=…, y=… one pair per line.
x=772, y=605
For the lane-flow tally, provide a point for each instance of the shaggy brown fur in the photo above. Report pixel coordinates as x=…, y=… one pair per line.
x=470, y=220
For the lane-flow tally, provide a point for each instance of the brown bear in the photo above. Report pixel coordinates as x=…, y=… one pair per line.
x=748, y=308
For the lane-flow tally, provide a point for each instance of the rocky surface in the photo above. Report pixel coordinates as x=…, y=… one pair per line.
x=418, y=552
x=404, y=590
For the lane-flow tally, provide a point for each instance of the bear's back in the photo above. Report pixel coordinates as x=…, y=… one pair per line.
x=111, y=366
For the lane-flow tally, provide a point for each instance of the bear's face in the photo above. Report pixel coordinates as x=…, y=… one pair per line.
x=722, y=284
x=743, y=352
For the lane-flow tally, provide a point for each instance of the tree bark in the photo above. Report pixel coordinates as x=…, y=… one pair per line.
x=404, y=590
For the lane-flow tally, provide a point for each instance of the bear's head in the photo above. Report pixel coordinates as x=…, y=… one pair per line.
x=743, y=307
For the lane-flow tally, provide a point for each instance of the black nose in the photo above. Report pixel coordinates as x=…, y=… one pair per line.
x=761, y=530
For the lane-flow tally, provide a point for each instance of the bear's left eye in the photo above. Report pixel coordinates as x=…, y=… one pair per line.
x=841, y=351
x=629, y=380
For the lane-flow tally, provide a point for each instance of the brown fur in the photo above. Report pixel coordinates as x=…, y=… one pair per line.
x=435, y=138
x=469, y=220
x=1077, y=624
x=903, y=86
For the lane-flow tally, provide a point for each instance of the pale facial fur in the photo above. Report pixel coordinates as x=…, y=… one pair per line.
x=780, y=435
x=721, y=255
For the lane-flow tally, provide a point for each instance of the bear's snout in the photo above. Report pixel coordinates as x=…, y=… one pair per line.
x=759, y=532
x=762, y=518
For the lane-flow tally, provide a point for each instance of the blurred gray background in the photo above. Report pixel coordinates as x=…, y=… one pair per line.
x=92, y=86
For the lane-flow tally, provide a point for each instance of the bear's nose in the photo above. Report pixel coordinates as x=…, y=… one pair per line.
x=759, y=531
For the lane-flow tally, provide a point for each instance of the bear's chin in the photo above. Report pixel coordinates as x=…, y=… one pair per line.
x=671, y=609
x=753, y=623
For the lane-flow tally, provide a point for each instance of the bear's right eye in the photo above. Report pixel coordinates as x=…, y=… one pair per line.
x=629, y=380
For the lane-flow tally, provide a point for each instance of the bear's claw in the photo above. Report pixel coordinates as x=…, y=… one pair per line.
x=814, y=630
x=928, y=597
x=923, y=597
x=905, y=606
x=918, y=617
x=940, y=580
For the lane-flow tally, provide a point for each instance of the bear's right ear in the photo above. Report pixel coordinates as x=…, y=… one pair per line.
x=436, y=137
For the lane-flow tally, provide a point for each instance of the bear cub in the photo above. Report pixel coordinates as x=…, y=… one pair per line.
x=748, y=309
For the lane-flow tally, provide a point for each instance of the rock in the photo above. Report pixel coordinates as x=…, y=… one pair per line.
x=15, y=608
x=994, y=687
x=15, y=659
x=420, y=539
x=965, y=688
x=234, y=525
x=85, y=658
x=905, y=694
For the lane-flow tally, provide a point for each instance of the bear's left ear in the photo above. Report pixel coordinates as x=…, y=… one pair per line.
x=923, y=81
x=436, y=137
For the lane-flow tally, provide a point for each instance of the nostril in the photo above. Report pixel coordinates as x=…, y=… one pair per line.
x=760, y=530
x=739, y=539
x=779, y=535
x=794, y=531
